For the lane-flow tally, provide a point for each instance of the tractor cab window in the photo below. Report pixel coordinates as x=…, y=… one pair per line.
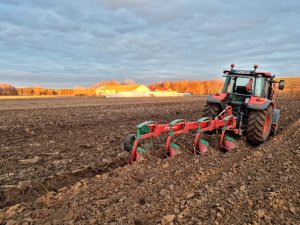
x=241, y=85
x=246, y=85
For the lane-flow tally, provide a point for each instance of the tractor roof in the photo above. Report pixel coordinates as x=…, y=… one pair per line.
x=247, y=73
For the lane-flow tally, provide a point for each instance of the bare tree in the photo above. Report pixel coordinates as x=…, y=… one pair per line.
x=8, y=89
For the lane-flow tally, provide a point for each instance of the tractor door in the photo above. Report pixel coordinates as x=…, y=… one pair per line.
x=261, y=87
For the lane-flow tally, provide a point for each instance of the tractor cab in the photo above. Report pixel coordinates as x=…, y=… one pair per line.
x=242, y=84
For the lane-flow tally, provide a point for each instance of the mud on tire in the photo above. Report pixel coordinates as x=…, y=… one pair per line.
x=259, y=125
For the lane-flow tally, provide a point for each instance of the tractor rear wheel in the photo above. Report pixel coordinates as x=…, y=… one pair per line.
x=259, y=125
x=211, y=110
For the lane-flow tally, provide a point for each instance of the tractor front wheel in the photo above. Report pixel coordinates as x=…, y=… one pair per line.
x=259, y=125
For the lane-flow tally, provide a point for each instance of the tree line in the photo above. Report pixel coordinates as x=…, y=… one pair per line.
x=194, y=86
x=292, y=88
x=8, y=89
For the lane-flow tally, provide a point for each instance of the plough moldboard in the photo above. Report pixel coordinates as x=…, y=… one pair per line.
x=146, y=130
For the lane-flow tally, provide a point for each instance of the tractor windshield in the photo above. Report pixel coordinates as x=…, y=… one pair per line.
x=245, y=85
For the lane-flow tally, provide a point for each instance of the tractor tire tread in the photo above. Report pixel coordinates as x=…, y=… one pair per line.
x=211, y=110
x=255, y=128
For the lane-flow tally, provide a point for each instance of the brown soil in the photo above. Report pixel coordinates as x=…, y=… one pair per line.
x=62, y=162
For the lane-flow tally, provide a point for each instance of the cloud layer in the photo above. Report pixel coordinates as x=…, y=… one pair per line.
x=57, y=43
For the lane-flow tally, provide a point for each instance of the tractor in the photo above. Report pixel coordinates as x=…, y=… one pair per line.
x=252, y=97
x=246, y=106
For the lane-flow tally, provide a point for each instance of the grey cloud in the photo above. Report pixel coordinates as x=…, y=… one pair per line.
x=66, y=43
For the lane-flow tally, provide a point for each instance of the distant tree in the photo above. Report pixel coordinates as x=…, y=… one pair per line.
x=167, y=84
x=36, y=90
x=79, y=90
x=8, y=89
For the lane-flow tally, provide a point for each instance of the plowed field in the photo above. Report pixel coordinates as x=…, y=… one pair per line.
x=62, y=162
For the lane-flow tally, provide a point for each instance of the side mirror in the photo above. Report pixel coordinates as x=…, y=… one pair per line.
x=281, y=84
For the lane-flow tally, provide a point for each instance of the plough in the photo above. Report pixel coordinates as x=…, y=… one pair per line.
x=225, y=122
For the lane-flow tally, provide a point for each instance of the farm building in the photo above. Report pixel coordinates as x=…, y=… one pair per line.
x=163, y=92
x=138, y=90
x=122, y=90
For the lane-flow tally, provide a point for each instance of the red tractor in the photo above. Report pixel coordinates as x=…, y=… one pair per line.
x=246, y=105
x=251, y=95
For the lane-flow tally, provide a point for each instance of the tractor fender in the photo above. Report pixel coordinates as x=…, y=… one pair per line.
x=218, y=98
x=276, y=116
x=258, y=103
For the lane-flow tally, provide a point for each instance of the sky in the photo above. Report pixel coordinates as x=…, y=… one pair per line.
x=64, y=43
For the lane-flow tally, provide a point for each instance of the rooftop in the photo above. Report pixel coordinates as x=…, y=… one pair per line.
x=120, y=87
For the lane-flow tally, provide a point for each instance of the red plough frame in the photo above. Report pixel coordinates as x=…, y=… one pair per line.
x=225, y=121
